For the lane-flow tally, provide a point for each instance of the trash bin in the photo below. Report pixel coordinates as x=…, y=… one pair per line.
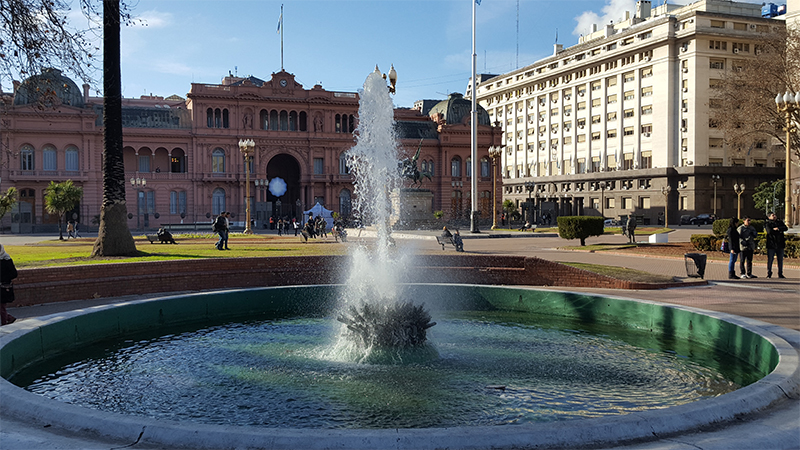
x=695, y=264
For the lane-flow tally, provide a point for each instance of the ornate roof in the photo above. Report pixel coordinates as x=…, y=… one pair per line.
x=50, y=88
x=456, y=109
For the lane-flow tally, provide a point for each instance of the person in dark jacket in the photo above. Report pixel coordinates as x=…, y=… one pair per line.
x=7, y=273
x=747, y=244
x=735, y=249
x=776, y=242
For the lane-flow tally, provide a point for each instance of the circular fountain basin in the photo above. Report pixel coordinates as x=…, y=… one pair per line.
x=681, y=331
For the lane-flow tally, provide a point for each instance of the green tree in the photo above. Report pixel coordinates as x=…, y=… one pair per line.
x=60, y=198
x=768, y=194
x=508, y=207
x=7, y=201
x=113, y=236
x=580, y=227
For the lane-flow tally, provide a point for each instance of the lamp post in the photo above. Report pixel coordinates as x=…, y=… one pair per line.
x=530, y=186
x=739, y=189
x=788, y=104
x=138, y=183
x=261, y=184
x=665, y=190
x=247, y=146
x=603, y=199
x=494, y=152
x=796, y=192
x=715, y=179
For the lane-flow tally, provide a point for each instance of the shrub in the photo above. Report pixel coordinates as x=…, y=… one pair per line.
x=705, y=242
x=579, y=227
x=721, y=226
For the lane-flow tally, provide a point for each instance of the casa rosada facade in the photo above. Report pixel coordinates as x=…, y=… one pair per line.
x=182, y=159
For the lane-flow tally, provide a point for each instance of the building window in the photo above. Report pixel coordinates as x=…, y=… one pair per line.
x=455, y=167
x=486, y=170
x=715, y=142
x=49, y=158
x=71, y=162
x=717, y=24
x=612, y=116
x=26, y=157
x=344, y=170
x=581, y=106
x=646, y=160
x=218, y=201
x=627, y=131
x=647, y=72
x=319, y=166
x=647, y=109
x=581, y=165
x=596, y=119
x=647, y=91
x=218, y=161
x=717, y=45
x=644, y=202
x=144, y=163
x=611, y=99
x=468, y=165
x=647, y=128
x=627, y=161
x=581, y=138
x=629, y=95
x=596, y=136
x=431, y=168
x=627, y=113
x=596, y=103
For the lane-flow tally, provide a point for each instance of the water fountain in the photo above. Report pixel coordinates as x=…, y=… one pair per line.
x=351, y=366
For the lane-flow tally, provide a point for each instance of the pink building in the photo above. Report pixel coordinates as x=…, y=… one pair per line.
x=182, y=158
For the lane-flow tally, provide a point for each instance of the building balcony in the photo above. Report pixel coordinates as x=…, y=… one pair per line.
x=47, y=175
x=157, y=176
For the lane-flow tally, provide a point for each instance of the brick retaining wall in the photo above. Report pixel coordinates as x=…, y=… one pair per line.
x=53, y=284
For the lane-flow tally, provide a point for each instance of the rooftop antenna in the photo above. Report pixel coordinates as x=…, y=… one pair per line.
x=236, y=70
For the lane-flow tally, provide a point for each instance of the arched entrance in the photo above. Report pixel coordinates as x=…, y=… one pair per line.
x=287, y=168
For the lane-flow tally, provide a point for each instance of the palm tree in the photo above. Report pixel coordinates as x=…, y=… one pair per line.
x=113, y=237
x=7, y=201
x=60, y=198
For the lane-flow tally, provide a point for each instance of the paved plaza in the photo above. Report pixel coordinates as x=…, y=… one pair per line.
x=769, y=300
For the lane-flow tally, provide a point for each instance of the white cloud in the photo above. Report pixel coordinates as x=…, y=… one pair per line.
x=612, y=11
x=155, y=19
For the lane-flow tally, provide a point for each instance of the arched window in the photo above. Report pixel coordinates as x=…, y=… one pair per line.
x=177, y=202
x=26, y=158
x=293, y=121
x=49, y=158
x=273, y=120
x=352, y=126
x=468, y=165
x=284, y=121
x=345, y=203
x=225, y=119
x=264, y=119
x=343, y=169
x=218, y=118
x=303, y=126
x=338, y=123
x=431, y=167
x=218, y=161
x=71, y=161
x=218, y=201
x=486, y=167
x=210, y=118
x=455, y=167
x=177, y=161
x=423, y=167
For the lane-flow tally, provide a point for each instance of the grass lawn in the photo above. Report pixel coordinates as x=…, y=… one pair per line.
x=78, y=251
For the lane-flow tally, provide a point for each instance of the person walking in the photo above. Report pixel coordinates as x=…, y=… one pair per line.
x=631, y=226
x=776, y=242
x=7, y=273
x=70, y=230
x=280, y=227
x=77, y=234
x=227, y=228
x=747, y=244
x=734, y=247
x=219, y=227
x=296, y=226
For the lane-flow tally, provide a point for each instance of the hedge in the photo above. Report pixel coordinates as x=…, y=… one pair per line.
x=580, y=227
x=720, y=227
x=709, y=243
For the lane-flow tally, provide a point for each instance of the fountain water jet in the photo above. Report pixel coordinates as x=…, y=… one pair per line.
x=373, y=314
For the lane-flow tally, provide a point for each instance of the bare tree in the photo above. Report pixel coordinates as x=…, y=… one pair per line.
x=743, y=104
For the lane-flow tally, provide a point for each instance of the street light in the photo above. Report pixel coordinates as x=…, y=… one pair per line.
x=789, y=104
x=796, y=192
x=138, y=183
x=715, y=179
x=665, y=190
x=247, y=146
x=530, y=186
x=739, y=189
x=603, y=187
x=494, y=152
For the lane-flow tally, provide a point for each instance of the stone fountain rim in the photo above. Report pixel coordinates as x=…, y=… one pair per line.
x=782, y=383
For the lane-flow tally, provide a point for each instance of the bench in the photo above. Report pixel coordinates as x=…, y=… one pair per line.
x=450, y=241
x=162, y=238
x=202, y=226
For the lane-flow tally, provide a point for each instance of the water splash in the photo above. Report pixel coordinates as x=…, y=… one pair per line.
x=376, y=271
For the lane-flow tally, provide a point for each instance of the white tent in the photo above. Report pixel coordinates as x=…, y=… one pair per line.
x=319, y=210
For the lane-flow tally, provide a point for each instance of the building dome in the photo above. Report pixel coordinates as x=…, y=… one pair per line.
x=50, y=88
x=456, y=109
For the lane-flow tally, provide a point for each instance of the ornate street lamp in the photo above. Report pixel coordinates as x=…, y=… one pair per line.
x=788, y=104
x=715, y=179
x=530, y=186
x=247, y=146
x=739, y=189
x=392, y=76
x=603, y=187
x=495, y=152
x=665, y=190
x=138, y=183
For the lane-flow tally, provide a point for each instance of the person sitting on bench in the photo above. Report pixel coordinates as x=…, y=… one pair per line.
x=165, y=236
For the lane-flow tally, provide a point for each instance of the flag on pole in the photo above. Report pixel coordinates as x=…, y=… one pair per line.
x=280, y=21
x=478, y=2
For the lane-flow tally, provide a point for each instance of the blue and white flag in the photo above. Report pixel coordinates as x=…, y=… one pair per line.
x=280, y=21
x=478, y=2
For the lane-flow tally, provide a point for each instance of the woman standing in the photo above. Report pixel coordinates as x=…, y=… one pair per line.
x=733, y=243
x=7, y=273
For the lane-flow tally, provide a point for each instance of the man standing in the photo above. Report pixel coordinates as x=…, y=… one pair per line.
x=631, y=226
x=776, y=242
x=227, y=228
x=219, y=227
x=747, y=243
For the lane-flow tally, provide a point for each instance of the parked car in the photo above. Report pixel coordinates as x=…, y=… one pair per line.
x=611, y=223
x=702, y=219
x=686, y=219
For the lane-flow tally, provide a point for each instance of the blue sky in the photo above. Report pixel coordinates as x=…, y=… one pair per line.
x=338, y=42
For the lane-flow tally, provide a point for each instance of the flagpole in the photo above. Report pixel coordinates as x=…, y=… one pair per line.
x=474, y=133
x=281, y=37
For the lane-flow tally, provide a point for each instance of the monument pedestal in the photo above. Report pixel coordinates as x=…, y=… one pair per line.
x=411, y=208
